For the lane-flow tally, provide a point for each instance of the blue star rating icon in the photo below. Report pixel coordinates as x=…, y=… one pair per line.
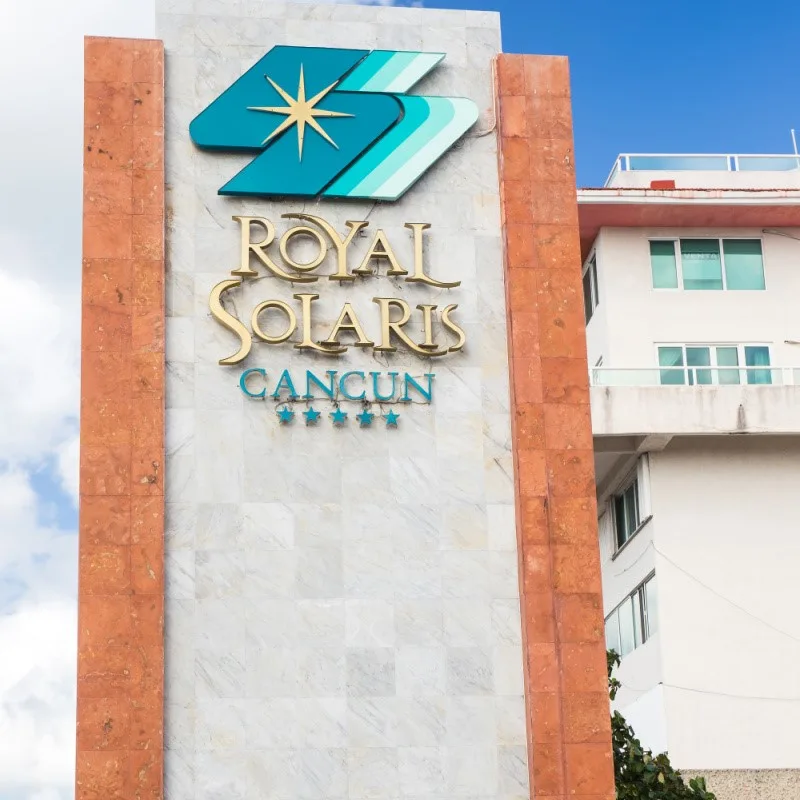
x=339, y=417
x=285, y=416
x=365, y=418
x=312, y=417
x=391, y=419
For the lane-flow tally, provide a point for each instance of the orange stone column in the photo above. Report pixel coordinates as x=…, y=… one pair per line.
x=121, y=584
x=565, y=667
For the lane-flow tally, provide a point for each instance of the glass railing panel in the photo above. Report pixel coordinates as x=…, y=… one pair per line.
x=658, y=163
x=768, y=163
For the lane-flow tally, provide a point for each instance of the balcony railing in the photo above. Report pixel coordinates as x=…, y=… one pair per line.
x=695, y=376
x=716, y=162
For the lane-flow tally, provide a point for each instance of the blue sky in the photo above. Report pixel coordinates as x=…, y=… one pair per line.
x=655, y=76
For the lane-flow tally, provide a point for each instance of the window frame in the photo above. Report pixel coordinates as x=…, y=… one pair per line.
x=713, y=366
x=632, y=481
x=590, y=266
x=645, y=630
x=679, y=262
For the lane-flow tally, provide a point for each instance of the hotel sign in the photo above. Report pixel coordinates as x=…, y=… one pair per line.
x=333, y=123
x=337, y=124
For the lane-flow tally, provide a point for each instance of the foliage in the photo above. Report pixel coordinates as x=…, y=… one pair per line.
x=638, y=774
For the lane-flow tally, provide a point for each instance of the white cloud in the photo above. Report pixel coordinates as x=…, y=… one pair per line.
x=38, y=632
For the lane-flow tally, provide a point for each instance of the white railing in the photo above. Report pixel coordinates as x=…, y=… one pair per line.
x=695, y=376
x=710, y=162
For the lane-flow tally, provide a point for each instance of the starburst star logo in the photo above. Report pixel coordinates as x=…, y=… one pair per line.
x=349, y=129
x=300, y=112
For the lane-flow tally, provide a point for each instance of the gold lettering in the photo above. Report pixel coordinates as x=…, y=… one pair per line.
x=307, y=343
x=312, y=233
x=257, y=248
x=229, y=321
x=290, y=329
x=419, y=275
x=389, y=326
x=340, y=244
x=380, y=249
x=453, y=328
x=427, y=322
x=348, y=321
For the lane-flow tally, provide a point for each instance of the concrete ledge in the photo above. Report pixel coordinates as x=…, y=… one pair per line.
x=700, y=410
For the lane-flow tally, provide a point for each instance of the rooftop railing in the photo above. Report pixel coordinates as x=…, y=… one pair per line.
x=695, y=376
x=715, y=162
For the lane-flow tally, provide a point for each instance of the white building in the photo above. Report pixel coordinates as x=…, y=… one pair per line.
x=692, y=282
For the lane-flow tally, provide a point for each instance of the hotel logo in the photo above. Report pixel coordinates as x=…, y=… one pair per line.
x=334, y=123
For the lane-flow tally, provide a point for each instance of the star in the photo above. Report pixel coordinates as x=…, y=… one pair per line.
x=311, y=416
x=391, y=419
x=300, y=112
x=285, y=415
x=339, y=416
x=365, y=418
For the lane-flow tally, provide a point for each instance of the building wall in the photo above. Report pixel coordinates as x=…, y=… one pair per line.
x=726, y=553
x=343, y=615
x=736, y=784
x=636, y=316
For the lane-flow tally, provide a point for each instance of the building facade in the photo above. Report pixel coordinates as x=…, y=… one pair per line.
x=338, y=531
x=690, y=264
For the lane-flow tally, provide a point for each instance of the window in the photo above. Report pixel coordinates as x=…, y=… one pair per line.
x=590, y=295
x=714, y=364
x=626, y=513
x=707, y=264
x=634, y=620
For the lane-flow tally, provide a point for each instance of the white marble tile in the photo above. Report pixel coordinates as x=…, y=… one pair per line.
x=321, y=773
x=369, y=623
x=507, y=669
x=218, y=526
x=321, y=722
x=421, y=721
x=371, y=672
x=420, y=671
x=179, y=526
x=220, y=675
x=220, y=725
x=180, y=340
x=219, y=574
x=268, y=526
x=372, y=721
x=470, y=670
x=271, y=672
x=510, y=720
x=271, y=724
x=512, y=770
x=372, y=772
x=179, y=773
x=419, y=621
x=270, y=573
x=319, y=572
x=320, y=623
x=320, y=671
x=220, y=774
x=422, y=771
x=468, y=623
x=179, y=575
x=502, y=527
x=271, y=773
x=471, y=770
x=471, y=720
